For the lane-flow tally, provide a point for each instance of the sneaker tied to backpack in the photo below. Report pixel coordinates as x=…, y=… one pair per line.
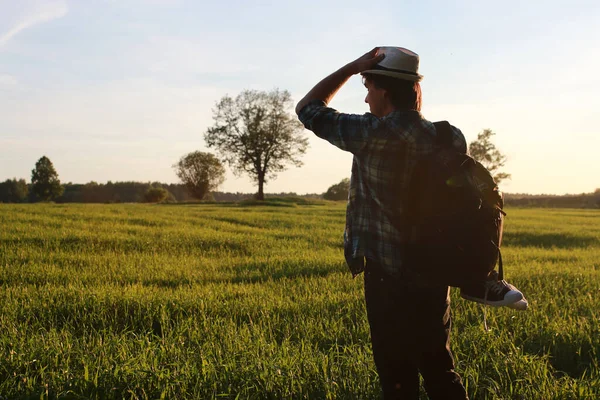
x=494, y=292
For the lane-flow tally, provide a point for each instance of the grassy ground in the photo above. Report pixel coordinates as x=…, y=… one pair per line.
x=247, y=301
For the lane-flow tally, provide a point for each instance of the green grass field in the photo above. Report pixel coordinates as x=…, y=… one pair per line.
x=245, y=301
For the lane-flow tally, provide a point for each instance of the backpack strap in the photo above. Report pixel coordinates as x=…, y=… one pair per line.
x=444, y=136
x=500, y=268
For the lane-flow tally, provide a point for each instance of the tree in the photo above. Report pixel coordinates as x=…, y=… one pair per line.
x=200, y=173
x=13, y=191
x=483, y=150
x=255, y=134
x=156, y=194
x=45, y=184
x=339, y=191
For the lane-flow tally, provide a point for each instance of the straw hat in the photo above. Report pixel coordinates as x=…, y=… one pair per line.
x=398, y=63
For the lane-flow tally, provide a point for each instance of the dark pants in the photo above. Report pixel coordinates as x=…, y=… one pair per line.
x=410, y=333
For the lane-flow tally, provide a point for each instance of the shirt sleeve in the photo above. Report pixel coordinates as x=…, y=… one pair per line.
x=349, y=132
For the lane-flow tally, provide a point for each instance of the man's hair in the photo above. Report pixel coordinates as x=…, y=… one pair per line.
x=404, y=95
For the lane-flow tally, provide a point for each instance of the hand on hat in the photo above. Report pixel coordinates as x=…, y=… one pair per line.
x=366, y=61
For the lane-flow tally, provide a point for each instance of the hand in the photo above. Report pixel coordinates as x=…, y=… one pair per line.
x=366, y=61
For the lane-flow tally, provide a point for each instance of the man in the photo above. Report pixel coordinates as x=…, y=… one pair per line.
x=409, y=321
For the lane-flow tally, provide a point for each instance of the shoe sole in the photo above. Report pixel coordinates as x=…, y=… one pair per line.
x=511, y=297
x=520, y=305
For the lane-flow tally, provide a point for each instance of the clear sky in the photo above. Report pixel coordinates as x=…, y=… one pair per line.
x=121, y=89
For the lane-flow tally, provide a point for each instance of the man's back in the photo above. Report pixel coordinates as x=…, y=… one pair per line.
x=385, y=153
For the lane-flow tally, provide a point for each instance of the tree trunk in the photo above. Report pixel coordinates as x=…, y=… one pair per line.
x=261, y=182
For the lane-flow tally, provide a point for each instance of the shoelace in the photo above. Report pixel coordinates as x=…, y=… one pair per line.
x=485, y=326
x=496, y=286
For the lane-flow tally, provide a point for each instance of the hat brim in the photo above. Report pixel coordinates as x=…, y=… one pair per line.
x=393, y=74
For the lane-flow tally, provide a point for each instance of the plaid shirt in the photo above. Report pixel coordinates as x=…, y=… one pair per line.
x=385, y=152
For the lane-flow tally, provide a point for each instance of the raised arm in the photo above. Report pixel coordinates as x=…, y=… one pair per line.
x=329, y=86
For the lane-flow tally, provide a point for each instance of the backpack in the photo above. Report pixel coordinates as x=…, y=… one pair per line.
x=454, y=217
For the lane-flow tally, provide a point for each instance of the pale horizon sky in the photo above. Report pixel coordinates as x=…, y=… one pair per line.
x=119, y=90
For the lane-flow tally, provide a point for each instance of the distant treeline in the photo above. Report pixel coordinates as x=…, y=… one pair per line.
x=584, y=200
x=16, y=191
x=134, y=192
